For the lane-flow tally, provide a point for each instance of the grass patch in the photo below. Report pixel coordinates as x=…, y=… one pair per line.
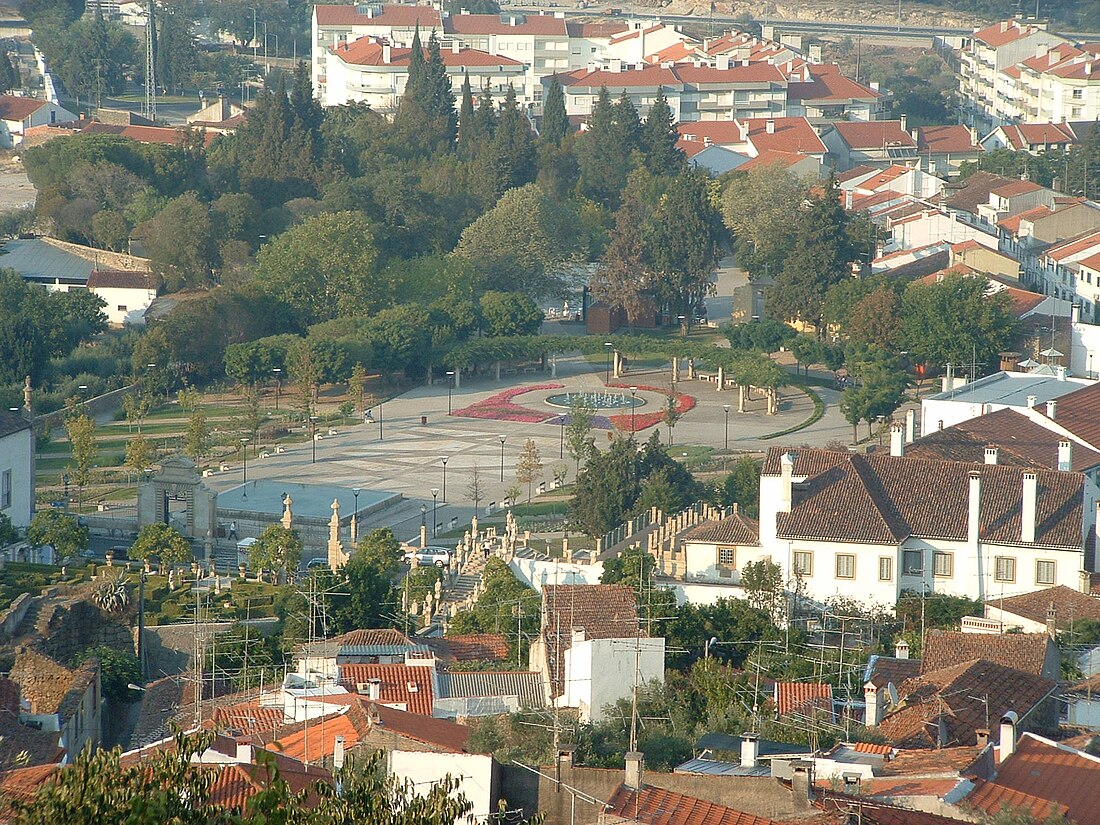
x=815, y=416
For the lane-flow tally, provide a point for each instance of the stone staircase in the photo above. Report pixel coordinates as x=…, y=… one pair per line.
x=461, y=592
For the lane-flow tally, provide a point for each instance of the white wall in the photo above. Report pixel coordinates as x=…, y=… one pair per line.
x=535, y=573
x=17, y=458
x=938, y=227
x=599, y=672
x=474, y=772
x=1084, y=711
x=125, y=306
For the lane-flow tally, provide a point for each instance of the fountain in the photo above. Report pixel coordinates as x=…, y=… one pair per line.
x=603, y=400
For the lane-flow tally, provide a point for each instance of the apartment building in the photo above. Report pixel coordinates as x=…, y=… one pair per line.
x=1071, y=270
x=984, y=56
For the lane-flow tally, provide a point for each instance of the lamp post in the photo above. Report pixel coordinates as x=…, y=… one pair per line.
x=450, y=386
x=278, y=385
x=726, y=410
x=633, y=407
x=355, y=512
x=502, y=438
x=435, y=519
x=561, y=442
x=313, y=436
x=607, y=368
x=244, y=450
x=423, y=516
x=443, y=461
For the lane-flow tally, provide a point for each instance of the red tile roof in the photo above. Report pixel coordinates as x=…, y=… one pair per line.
x=22, y=784
x=1048, y=770
x=409, y=685
x=19, y=108
x=120, y=279
x=248, y=718
x=882, y=499
x=1012, y=223
x=595, y=30
x=803, y=698
x=603, y=611
x=1016, y=187
x=736, y=528
x=874, y=134
x=946, y=139
x=1077, y=413
x=871, y=747
x=1069, y=605
x=400, y=15
x=753, y=73
x=470, y=648
x=674, y=53
x=1028, y=652
x=672, y=76
x=1003, y=33
x=367, y=51
x=789, y=134
x=828, y=84
x=1074, y=246
x=691, y=148
x=657, y=806
x=1077, y=70
x=538, y=24
x=1020, y=442
x=992, y=798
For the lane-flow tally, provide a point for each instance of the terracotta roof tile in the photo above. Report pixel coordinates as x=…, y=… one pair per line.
x=1047, y=770
x=398, y=14
x=1069, y=605
x=538, y=24
x=13, y=107
x=890, y=669
x=1001, y=34
x=120, y=279
x=993, y=798
x=367, y=51
x=1020, y=442
x=409, y=685
x=882, y=499
x=803, y=698
x=937, y=761
x=828, y=84
x=657, y=806
x=22, y=784
x=1014, y=188
x=603, y=611
x=599, y=29
x=470, y=648
x=248, y=718
x=1021, y=651
x=736, y=528
x=953, y=139
x=1077, y=412
x=22, y=746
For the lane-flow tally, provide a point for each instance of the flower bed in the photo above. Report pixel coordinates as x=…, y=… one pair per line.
x=499, y=407
x=637, y=423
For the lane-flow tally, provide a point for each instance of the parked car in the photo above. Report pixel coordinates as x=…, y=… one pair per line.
x=439, y=556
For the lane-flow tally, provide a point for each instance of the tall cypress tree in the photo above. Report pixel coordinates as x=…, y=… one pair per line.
x=659, y=136
x=603, y=155
x=555, y=122
x=486, y=114
x=467, y=120
x=306, y=108
x=440, y=100
x=627, y=125
x=513, y=152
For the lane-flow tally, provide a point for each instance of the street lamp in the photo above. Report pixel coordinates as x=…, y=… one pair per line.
x=444, y=462
x=244, y=449
x=726, y=410
x=502, y=438
x=435, y=520
x=561, y=443
x=633, y=407
x=607, y=369
x=450, y=386
x=423, y=516
x=313, y=435
x=278, y=385
x=355, y=511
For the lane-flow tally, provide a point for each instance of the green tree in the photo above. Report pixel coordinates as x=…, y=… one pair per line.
x=511, y=158
x=875, y=320
x=577, y=441
x=954, y=321
x=276, y=549
x=658, y=139
x=82, y=440
x=807, y=351
x=357, y=384
x=117, y=669
x=757, y=208
x=196, y=441
x=175, y=49
x=764, y=588
x=9, y=75
x=741, y=486
x=8, y=533
x=606, y=488
x=509, y=313
x=506, y=606
x=603, y=157
x=634, y=567
x=529, y=466
x=181, y=243
x=60, y=530
x=425, y=118
x=469, y=138
x=555, y=122
x=324, y=267
x=163, y=542
x=140, y=455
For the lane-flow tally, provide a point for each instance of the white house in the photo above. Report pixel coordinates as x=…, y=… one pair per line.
x=869, y=527
x=17, y=114
x=16, y=468
x=476, y=774
x=127, y=294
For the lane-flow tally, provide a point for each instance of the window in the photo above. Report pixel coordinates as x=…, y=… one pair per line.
x=943, y=565
x=122, y=307
x=1004, y=569
x=725, y=557
x=5, y=490
x=845, y=566
x=885, y=569
x=1077, y=94
x=1044, y=572
x=912, y=562
x=803, y=563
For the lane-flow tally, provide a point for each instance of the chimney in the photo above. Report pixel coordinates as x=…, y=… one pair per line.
x=1052, y=621
x=456, y=46
x=750, y=750
x=338, y=753
x=973, y=523
x=904, y=122
x=910, y=425
x=973, y=136
x=1032, y=400
x=1060, y=372
x=897, y=440
x=386, y=53
x=615, y=65
x=770, y=127
x=244, y=752
x=577, y=634
x=982, y=735
x=723, y=62
x=1052, y=410
x=991, y=454
x=1027, y=508
x=1008, y=735
x=1004, y=25
x=802, y=784
x=873, y=698
x=1065, y=456
x=1075, y=313
x=374, y=689
x=742, y=131
x=634, y=770
x=786, y=481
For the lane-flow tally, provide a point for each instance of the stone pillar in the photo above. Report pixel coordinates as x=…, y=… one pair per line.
x=617, y=365
x=28, y=409
x=721, y=378
x=498, y=370
x=691, y=369
x=553, y=366
x=773, y=402
x=354, y=525
x=288, y=516
x=208, y=548
x=675, y=369
x=566, y=553
x=740, y=398
x=336, y=554
x=458, y=378
x=423, y=535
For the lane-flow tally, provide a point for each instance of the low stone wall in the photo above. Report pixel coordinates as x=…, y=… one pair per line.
x=11, y=618
x=102, y=258
x=106, y=403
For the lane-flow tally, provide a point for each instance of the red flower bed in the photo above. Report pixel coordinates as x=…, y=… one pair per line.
x=499, y=407
x=640, y=421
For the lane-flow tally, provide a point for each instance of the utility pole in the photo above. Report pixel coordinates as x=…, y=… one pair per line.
x=150, y=111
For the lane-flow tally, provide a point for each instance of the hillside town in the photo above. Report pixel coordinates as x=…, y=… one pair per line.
x=299, y=301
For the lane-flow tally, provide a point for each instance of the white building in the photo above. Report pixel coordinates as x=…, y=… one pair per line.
x=16, y=468
x=371, y=71
x=17, y=114
x=127, y=294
